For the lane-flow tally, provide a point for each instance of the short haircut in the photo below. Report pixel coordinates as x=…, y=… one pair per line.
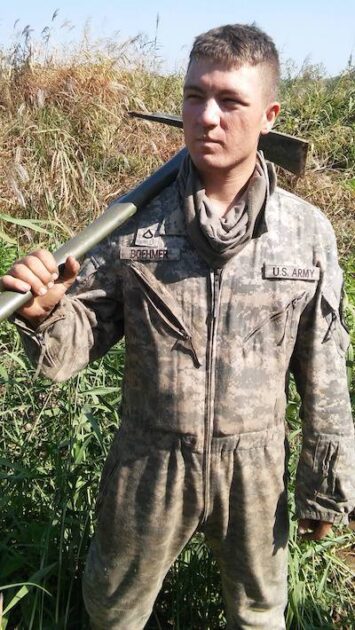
x=235, y=45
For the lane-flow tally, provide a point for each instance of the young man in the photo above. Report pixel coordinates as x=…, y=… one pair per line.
x=248, y=288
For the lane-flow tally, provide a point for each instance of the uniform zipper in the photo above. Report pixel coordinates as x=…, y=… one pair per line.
x=215, y=286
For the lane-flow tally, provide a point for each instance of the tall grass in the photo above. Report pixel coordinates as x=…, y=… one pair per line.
x=67, y=148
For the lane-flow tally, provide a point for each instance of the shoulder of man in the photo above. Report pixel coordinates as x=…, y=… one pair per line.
x=148, y=223
x=159, y=208
x=300, y=215
x=306, y=229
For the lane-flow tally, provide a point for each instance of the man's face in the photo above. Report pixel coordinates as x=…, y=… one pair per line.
x=224, y=112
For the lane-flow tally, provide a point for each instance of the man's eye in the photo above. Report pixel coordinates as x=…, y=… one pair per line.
x=231, y=101
x=193, y=97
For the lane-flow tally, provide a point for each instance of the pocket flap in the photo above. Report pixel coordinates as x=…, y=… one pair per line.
x=166, y=307
x=332, y=311
x=329, y=296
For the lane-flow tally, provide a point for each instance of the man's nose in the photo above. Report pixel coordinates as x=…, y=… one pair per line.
x=209, y=114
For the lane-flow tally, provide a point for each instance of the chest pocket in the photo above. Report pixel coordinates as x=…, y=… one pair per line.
x=278, y=330
x=166, y=309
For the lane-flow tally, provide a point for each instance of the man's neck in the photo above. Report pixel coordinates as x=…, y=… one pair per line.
x=225, y=189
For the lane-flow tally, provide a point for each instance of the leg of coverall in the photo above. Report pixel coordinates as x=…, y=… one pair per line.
x=150, y=509
x=248, y=530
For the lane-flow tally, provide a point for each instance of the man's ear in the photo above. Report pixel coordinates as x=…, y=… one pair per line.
x=270, y=114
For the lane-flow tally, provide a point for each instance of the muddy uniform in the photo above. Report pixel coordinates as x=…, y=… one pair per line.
x=202, y=440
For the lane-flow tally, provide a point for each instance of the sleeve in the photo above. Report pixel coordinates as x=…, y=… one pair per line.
x=85, y=323
x=325, y=484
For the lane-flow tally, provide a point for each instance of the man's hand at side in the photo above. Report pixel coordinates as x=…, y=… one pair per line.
x=310, y=529
x=38, y=272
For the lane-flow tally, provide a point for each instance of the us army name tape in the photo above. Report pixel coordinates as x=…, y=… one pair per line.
x=277, y=272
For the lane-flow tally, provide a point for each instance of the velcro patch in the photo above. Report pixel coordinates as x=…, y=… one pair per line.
x=149, y=254
x=278, y=272
x=173, y=224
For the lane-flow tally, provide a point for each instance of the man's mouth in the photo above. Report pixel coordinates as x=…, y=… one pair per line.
x=208, y=140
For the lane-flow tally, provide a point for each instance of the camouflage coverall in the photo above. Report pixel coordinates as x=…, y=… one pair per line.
x=202, y=440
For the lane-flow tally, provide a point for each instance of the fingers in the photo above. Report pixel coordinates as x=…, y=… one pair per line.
x=309, y=529
x=9, y=283
x=323, y=530
x=71, y=270
x=36, y=272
